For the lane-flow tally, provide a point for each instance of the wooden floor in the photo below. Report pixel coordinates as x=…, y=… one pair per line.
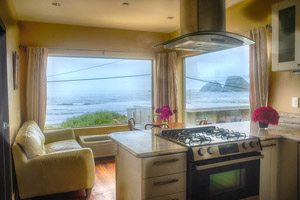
x=104, y=188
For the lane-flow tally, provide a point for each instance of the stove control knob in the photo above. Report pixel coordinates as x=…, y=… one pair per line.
x=210, y=150
x=253, y=144
x=244, y=145
x=200, y=152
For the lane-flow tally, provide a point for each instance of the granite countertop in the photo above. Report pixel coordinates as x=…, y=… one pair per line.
x=273, y=132
x=145, y=143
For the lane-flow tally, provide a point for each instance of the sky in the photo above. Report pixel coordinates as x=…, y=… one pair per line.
x=74, y=68
x=217, y=66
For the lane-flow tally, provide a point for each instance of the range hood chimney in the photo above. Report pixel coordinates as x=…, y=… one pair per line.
x=203, y=28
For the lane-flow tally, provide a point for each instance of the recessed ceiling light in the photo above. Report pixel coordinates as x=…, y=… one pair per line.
x=125, y=3
x=170, y=17
x=56, y=3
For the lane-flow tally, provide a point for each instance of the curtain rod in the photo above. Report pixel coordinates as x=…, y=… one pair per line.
x=103, y=51
x=267, y=26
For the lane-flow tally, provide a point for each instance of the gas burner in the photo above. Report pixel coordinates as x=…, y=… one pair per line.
x=225, y=134
x=202, y=135
x=197, y=139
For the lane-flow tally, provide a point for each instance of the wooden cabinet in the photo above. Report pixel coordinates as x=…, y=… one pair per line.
x=156, y=178
x=269, y=170
x=288, y=169
x=286, y=36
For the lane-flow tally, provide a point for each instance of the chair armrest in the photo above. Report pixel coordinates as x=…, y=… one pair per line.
x=54, y=136
x=60, y=172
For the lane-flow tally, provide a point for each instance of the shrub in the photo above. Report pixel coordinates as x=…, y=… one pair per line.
x=94, y=119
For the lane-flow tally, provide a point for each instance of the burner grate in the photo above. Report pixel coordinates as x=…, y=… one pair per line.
x=202, y=135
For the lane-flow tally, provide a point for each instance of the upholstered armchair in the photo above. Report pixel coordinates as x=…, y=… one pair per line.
x=51, y=163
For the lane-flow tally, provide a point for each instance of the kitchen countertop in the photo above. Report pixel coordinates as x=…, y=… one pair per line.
x=145, y=144
x=273, y=132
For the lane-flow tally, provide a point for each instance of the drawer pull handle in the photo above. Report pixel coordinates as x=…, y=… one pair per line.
x=268, y=145
x=165, y=182
x=165, y=161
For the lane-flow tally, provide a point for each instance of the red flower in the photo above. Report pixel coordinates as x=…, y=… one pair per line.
x=165, y=112
x=266, y=114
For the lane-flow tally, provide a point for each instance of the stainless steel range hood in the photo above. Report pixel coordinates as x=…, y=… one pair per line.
x=203, y=28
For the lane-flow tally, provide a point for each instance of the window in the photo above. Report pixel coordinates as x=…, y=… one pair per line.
x=217, y=86
x=83, y=92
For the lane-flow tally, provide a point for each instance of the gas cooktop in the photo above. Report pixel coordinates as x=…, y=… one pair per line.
x=212, y=142
x=192, y=137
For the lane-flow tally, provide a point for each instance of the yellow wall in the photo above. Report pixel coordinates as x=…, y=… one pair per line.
x=76, y=40
x=7, y=15
x=254, y=13
x=240, y=18
x=80, y=37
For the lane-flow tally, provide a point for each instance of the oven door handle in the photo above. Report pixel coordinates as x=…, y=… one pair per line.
x=229, y=162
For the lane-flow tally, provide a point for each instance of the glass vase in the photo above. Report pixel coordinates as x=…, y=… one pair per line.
x=164, y=123
x=263, y=125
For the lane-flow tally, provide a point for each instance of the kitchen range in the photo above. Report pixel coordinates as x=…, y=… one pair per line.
x=221, y=164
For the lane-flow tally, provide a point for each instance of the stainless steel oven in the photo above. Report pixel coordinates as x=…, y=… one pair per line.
x=227, y=178
x=222, y=164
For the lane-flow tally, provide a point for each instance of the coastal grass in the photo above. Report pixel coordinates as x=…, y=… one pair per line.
x=94, y=119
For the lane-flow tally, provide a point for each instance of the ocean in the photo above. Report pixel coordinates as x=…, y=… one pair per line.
x=60, y=107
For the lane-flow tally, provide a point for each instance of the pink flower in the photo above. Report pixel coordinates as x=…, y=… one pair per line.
x=266, y=114
x=165, y=112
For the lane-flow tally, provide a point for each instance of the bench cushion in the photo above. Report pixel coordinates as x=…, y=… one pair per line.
x=63, y=145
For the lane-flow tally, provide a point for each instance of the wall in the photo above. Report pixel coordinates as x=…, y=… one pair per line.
x=89, y=38
x=90, y=41
x=254, y=13
x=7, y=14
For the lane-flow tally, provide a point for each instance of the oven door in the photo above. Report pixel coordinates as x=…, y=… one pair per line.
x=224, y=179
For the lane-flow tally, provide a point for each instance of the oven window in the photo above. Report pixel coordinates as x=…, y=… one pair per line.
x=226, y=181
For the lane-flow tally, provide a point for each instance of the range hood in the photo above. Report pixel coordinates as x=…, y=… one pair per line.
x=203, y=28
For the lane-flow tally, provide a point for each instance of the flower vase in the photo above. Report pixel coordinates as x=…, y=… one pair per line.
x=165, y=123
x=263, y=125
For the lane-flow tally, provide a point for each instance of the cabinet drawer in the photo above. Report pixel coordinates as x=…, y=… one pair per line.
x=164, y=165
x=178, y=196
x=164, y=185
x=269, y=143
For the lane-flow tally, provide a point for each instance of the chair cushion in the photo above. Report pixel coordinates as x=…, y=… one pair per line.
x=31, y=139
x=63, y=145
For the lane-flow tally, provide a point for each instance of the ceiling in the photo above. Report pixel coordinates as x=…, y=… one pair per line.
x=143, y=15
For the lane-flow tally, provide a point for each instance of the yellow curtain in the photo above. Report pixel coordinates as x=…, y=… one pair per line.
x=259, y=69
x=36, y=90
x=165, y=82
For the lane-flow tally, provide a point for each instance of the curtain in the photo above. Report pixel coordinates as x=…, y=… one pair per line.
x=259, y=69
x=165, y=82
x=172, y=83
x=160, y=81
x=36, y=90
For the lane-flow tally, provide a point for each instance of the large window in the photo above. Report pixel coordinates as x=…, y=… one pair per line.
x=83, y=92
x=217, y=87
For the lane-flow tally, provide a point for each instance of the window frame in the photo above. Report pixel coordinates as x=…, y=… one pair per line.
x=184, y=116
x=85, y=53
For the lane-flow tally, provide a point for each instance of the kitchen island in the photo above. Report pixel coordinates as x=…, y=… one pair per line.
x=149, y=167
